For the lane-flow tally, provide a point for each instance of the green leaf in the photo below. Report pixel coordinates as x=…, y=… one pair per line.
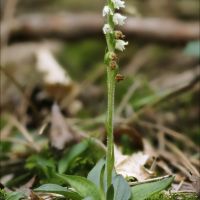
x=88, y=198
x=122, y=190
x=95, y=174
x=3, y=194
x=84, y=187
x=43, y=165
x=110, y=193
x=57, y=189
x=14, y=196
x=119, y=190
x=75, y=151
x=193, y=48
x=145, y=190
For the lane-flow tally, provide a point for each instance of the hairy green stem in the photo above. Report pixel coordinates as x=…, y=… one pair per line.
x=109, y=124
x=111, y=73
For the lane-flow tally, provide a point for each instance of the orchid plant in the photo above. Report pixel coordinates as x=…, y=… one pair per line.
x=102, y=182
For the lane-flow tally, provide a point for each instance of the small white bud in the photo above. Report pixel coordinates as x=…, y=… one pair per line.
x=118, y=4
x=119, y=19
x=106, y=11
x=107, y=29
x=120, y=45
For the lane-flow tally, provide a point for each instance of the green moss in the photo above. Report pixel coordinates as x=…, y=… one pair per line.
x=2, y=194
x=175, y=196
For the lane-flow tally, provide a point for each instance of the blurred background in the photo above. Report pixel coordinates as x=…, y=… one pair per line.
x=52, y=52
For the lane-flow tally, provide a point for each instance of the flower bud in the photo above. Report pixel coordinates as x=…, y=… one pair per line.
x=119, y=77
x=112, y=64
x=113, y=56
x=119, y=35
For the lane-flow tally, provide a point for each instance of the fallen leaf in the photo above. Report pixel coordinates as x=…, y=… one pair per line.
x=53, y=72
x=131, y=166
x=60, y=133
x=58, y=83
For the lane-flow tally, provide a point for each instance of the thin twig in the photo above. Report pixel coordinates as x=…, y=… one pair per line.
x=69, y=25
x=20, y=88
x=127, y=97
x=150, y=180
x=81, y=134
x=186, y=162
x=9, y=11
x=24, y=132
x=180, y=185
x=173, y=161
x=165, y=95
x=165, y=167
x=179, y=136
x=6, y=130
x=18, y=141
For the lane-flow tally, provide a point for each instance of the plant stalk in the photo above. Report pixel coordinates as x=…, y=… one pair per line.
x=111, y=73
x=109, y=125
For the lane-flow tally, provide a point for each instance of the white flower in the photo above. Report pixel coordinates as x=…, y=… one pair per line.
x=118, y=19
x=118, y=4
x=120, y=45
x=107, y=29
x=107, y=10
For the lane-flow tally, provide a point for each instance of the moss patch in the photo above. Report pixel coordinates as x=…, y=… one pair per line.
x=175, y=196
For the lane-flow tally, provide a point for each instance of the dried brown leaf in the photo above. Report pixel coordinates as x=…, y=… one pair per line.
x=131, y=166
x=60, y=133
